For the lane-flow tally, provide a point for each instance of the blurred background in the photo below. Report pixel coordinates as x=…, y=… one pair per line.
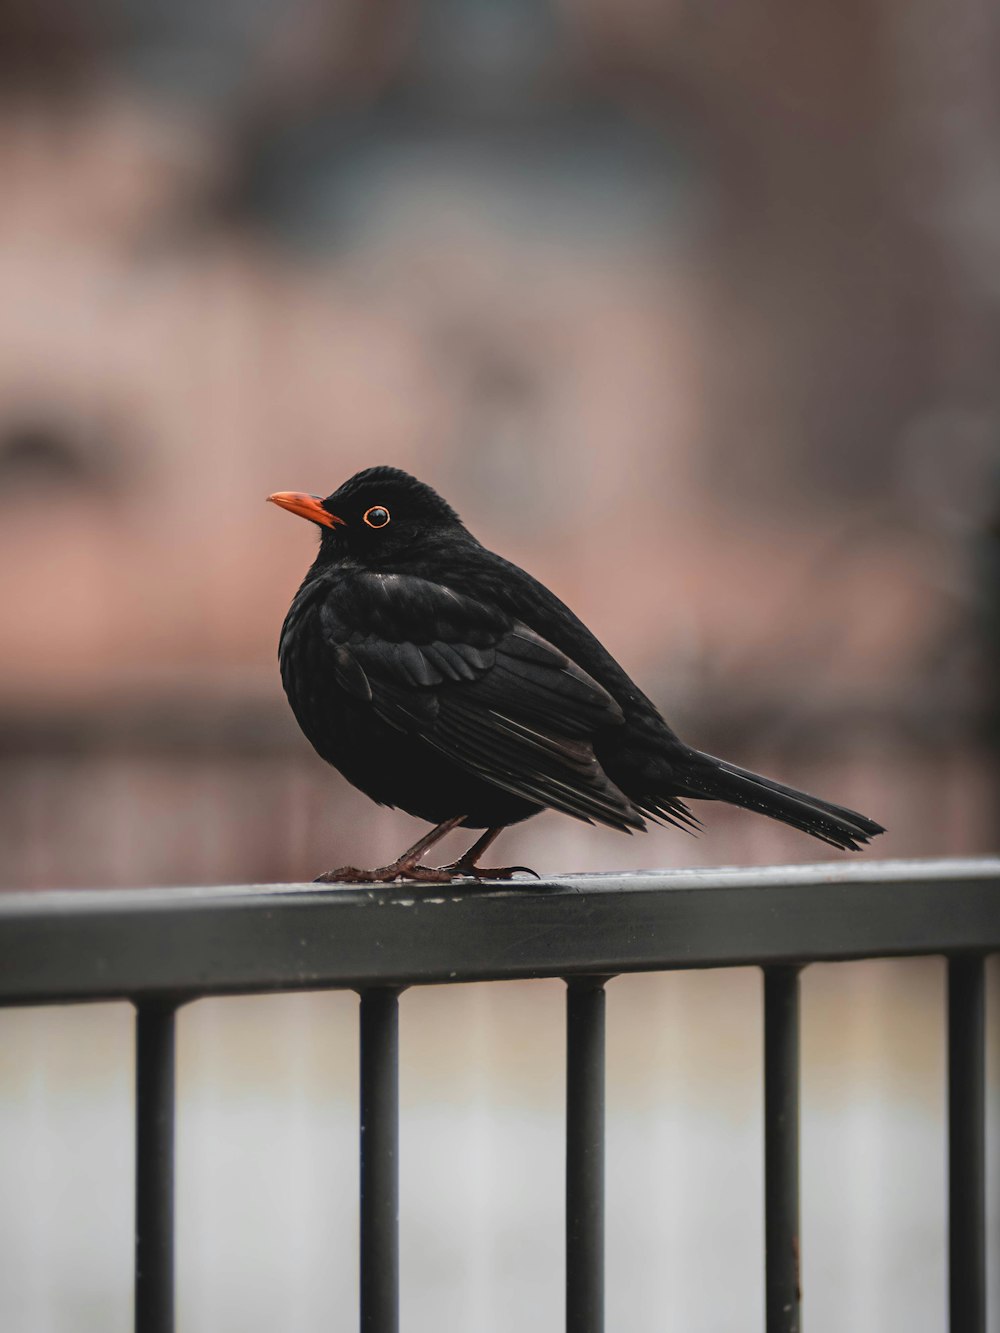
x=692, y=311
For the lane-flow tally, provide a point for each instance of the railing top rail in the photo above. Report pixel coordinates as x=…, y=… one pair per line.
x=62, y=946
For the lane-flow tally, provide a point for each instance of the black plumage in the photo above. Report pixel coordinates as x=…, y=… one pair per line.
x=442, y=679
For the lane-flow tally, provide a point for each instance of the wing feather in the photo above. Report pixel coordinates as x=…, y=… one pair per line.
x=489, y=693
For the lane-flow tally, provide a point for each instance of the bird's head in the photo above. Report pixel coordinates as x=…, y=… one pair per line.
x=377, y=513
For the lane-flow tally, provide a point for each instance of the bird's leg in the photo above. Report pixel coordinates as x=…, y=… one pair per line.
x=466, y=866
x=404, y=867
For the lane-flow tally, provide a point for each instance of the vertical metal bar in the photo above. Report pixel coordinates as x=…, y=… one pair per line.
x=966, y=1146
x=585, y=1006
x=783, y=1295
x=154, y=1168
x=379, y=1161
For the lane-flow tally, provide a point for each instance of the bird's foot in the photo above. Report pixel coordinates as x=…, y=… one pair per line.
x=463, y=869
x=405, y=866
x=412, y=870
x=398, y=870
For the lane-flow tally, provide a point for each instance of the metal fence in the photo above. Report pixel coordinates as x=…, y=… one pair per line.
x=163, y=948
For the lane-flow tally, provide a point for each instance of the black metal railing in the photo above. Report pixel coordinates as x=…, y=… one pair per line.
x=163, y=948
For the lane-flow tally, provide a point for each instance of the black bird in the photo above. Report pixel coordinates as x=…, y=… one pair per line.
x=441, y=678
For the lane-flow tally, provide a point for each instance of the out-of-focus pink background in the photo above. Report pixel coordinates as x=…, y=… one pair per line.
x=692, y=311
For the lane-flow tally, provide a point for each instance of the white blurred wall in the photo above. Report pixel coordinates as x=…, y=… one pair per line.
x=267, y=1168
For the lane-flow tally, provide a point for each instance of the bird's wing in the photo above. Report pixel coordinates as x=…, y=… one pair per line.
x=479, y=687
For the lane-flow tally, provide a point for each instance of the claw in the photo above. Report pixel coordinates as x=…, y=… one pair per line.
x=460, y=870
x=399, y=870
x=402, y=870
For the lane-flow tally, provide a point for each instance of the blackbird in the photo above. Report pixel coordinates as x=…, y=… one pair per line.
x=442, y=679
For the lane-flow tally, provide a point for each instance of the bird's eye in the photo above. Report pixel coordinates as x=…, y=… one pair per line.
x=377, y=516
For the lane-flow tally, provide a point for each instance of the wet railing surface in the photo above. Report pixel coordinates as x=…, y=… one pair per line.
x=161, y=948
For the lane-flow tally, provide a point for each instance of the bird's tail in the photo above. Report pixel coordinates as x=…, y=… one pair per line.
x=716, y=780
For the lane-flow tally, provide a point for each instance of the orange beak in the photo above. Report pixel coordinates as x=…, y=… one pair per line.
x=306, y=506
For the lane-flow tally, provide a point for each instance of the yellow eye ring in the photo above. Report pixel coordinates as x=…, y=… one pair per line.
x=377, y=516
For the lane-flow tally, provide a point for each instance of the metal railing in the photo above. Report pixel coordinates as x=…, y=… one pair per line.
x=163, y=948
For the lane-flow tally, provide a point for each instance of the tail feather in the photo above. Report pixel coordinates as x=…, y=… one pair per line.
x=716, y=780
